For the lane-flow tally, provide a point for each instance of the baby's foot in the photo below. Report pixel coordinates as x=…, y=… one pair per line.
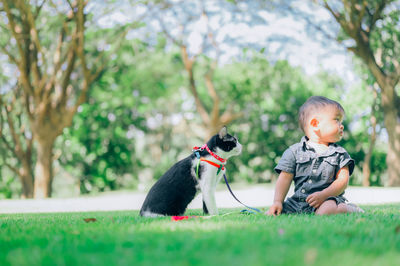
x=354, y=208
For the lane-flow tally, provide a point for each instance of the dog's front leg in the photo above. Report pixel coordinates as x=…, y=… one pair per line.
x=209, y=202
x=205, y=210
x=208, y=191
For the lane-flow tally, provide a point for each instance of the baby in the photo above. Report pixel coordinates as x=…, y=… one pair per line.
x=318, y=166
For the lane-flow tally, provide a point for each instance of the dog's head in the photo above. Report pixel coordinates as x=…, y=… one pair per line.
x=224, y=145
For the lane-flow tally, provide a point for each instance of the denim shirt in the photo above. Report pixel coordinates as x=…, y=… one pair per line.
x=313, y=172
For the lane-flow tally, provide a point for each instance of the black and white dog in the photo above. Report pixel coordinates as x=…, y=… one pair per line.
x=202, y=170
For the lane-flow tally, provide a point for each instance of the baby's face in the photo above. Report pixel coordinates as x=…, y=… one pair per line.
x=330, y=124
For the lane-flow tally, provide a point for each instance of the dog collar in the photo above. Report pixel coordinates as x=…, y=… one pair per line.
x=222, y=160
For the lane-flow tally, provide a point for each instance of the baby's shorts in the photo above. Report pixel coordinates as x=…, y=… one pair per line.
x=298, y=206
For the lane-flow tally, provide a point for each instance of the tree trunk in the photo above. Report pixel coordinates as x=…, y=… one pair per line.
x=391, y=111
x=44, y=169
x=367, y=160
x=392, y=125
x=393, y=155
x=372, y=140
x=212, y=120
x=392, y=160
x=26, y=177
x=353, y=20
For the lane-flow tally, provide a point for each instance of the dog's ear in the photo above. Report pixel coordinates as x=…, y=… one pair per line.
x=223, y=132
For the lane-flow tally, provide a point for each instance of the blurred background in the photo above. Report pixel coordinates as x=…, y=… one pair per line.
x=100, y=96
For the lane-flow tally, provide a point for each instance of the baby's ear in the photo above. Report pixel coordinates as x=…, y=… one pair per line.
x=223, y=132
x=314, y=122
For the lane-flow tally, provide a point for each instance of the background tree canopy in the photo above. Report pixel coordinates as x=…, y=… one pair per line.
x=152, y=95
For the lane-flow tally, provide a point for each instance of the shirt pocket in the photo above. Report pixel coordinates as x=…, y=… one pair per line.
x=303, y=164
x=330, y=166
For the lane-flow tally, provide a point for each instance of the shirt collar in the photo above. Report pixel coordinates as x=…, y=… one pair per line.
x=303, y=142
x=333, y=147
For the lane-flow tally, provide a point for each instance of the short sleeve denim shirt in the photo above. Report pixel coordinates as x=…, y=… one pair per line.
x=313, y=172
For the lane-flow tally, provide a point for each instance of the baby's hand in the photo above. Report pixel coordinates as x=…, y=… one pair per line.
x=316, y=199
x=275, y=209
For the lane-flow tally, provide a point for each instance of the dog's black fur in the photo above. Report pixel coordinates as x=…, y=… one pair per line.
x=171, y=194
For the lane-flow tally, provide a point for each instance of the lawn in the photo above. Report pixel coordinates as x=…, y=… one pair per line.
x=124, y=238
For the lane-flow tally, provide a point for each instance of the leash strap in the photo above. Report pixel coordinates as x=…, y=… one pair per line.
x=230, y=190
x=197, y=169
x=196, y=152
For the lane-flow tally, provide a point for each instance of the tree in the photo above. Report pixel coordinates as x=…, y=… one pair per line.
x=372, y=140
x=101, y=148
x=373, y=28
x=16, y=141
x=186, y=16
x=270, y=95
x=49, y=54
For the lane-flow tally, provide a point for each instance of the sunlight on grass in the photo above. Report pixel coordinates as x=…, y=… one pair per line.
x=125, y=238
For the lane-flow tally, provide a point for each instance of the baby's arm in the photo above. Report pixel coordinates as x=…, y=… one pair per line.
x=336, y=188
x=281, y=190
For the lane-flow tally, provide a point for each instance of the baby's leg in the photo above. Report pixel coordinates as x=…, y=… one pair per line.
x=350, y=207
x=330, y=207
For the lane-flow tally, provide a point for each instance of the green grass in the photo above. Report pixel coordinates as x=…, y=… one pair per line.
x=124, y=238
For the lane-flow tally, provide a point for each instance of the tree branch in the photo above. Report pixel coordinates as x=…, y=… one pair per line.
x=13, y=27
x=192, y=85
x=4, y=140
x=38, y=9
x=175, y=41
x=71, y=59
x=29, y=21
x=228, y=116
x=80, y=50
x=377, y=15
x=12, y=168
x=213, y=94
x=362, y=48
x=10, y=56
x=17, y=36
x=15, y=137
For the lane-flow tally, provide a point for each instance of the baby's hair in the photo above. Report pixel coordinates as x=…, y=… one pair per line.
x=315, y=103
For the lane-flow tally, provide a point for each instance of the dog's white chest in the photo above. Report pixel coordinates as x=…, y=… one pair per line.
x=207, y=183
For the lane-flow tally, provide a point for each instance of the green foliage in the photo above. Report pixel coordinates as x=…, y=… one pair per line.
x=12, y=119
x=270, y=96
x=386, y=36
x=359, y=111
x=141, y=116
x=100, y=148
x=7, y=183
x=127, y=130
x=124, y=238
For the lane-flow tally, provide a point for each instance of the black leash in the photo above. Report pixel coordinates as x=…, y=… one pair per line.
x=220, y=167
x=230, y=190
